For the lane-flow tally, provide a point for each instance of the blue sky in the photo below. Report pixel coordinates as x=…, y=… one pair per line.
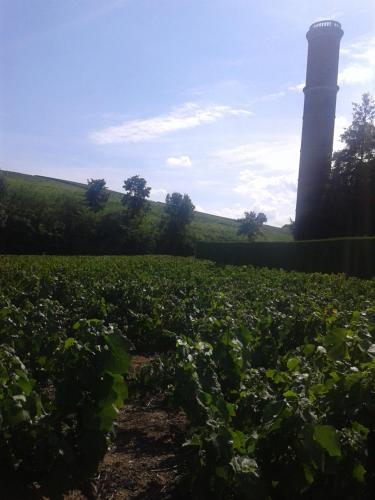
x=198, y=96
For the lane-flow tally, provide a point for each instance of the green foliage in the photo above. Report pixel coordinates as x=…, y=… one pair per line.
x=3, y=199
x=275, y=370
x=274, y=382
x=179, y=211
x=349, y=204
x=178, y=214
x=96, y=194
x=61, y=381
x=327, y=437
x=51, y=216
x=3, y=187
x=352, y=256
x=134, y=199
x=251, y=225
x=359, y=139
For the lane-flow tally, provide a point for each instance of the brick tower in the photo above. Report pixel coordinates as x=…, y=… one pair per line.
x=318, y=124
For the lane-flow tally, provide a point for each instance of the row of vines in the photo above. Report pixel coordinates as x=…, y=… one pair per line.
x=274, y=370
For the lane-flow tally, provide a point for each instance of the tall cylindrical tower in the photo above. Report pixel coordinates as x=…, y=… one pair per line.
x=318, y=124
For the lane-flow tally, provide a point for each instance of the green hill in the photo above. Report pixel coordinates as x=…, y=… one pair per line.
x=205, y=227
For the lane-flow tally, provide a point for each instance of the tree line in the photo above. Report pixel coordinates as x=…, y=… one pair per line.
x=33, y=222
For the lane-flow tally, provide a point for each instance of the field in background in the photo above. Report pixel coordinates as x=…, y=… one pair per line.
x=205, y=227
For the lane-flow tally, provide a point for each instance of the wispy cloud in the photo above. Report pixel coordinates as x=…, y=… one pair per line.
x=179, y=161
x=275, y=196
x=271, y=97
x=356, y=73
x=158, y=194
x=296, y=88
x=248, y=179
x=199, y=208
x=267, y=178
x=359, y=62
x=234, y=212
x=268, y=156
x=184, y=117
x=341, y=124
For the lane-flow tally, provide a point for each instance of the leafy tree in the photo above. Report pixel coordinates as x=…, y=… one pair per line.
x=350, y=200
x=3, y=187
x=96, y=194
x=251, y=224
x=135, y=208
x=291, y=226
x=178, y=214
x=3, y=196
x=111, y=234
x=179, y=211
x=3, y=216
x=359, y=139
x=135, y=197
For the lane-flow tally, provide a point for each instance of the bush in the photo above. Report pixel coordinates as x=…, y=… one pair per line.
x=352, y=256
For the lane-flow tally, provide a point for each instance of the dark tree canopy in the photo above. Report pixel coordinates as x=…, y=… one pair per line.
x=135, y=197
x=251, y=224
x=3, y=196
x=359, y=137
x=64, y=222
x=3, y=187
x=179, y=210
x=96, y=194
x=349, y=208
x=178, y=214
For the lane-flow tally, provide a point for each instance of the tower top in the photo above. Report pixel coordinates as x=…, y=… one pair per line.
x=327, y=26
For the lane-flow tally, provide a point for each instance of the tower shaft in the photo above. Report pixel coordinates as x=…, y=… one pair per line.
x=318, y=125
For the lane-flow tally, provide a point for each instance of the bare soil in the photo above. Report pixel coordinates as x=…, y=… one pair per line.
x=147, y=456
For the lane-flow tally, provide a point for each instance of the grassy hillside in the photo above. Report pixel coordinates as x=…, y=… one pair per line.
x=205, y=227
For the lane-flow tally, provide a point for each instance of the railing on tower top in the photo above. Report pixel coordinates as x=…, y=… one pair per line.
x=325, y=24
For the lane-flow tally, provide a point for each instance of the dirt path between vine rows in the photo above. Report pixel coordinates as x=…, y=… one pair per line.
x=145, y=459
x=147, y=455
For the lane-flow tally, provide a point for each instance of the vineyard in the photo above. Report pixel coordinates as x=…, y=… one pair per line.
x=274, y=370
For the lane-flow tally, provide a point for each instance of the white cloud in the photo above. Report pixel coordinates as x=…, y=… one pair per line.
x=267, y=177
x=297, y=88
x=271, y=97
x=158, y=194
x=279, y=183
x=179, y=161
x=235, y=212
x=275, y=196
x=199, y=208
x=360, y=62
x=356, y=73
x=187, y=116
x=341, y=124
x=268, y=156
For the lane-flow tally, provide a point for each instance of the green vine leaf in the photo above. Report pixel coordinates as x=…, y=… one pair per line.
x=326, y=437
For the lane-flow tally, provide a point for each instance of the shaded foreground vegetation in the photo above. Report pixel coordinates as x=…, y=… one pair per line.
x=274, y=370
x=52, y=216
